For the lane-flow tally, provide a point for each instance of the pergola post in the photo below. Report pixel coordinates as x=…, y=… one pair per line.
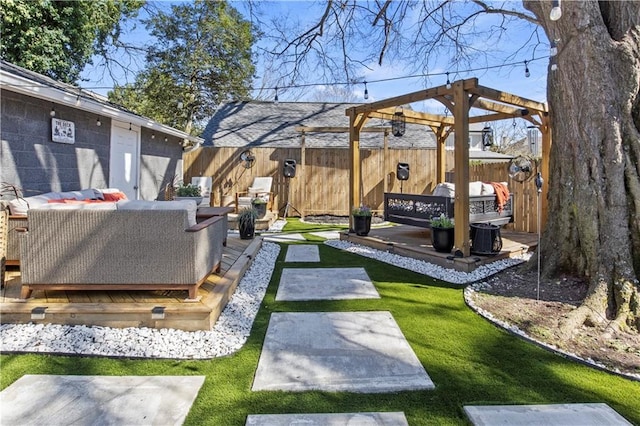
x=356, y=121
x=461, y=168
x=441, y=152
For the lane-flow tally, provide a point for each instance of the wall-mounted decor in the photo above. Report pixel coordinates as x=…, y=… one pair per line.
x=63, y=131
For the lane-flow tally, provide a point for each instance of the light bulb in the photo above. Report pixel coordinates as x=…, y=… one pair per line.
x=448, y=86
x=366, y=91
x=553, y=48
x=556, y=12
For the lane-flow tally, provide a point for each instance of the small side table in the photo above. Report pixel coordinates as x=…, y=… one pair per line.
x=204, y=213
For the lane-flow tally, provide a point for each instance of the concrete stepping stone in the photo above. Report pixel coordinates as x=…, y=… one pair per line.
x=338, y=351
x=298, y=284
x=333, y=419
x=329, y=235
x=547, y=415
x=302, y=253
x=284, y=237
x=99, y=400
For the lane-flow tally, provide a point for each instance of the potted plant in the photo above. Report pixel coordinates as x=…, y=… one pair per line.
x=361, y=220
x=260, y=205
x=442, y=233
x=188, y=192
x=247, y=222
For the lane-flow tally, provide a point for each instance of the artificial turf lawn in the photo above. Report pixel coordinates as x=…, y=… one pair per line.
x=470, y=361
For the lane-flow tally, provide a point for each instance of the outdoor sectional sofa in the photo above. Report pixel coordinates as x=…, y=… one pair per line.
x=19, y=208
x=128, y=245
x=419, y=209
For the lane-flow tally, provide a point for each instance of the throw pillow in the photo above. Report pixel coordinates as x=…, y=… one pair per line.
x=114, y=196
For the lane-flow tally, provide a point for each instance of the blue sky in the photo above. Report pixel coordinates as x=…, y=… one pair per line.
x=507, y=78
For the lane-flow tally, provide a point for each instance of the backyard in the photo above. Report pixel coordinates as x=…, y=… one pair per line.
x=470, y=360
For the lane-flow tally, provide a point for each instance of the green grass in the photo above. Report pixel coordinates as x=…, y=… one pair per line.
x=469, y=360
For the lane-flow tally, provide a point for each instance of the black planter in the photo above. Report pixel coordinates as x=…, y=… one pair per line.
x=442, y=239
x=362, y=225
x=247, y=230
x=261, y=208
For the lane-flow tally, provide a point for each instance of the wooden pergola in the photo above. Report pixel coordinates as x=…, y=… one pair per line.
x=459, y=98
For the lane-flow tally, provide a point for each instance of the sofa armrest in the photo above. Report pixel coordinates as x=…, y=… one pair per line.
x=204, y=224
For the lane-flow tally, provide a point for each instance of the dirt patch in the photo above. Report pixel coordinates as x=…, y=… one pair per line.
x=514, y=296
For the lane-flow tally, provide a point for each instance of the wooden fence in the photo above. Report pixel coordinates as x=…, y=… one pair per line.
x=321, y=182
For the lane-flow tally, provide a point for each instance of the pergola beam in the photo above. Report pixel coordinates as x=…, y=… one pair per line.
x=490, y=117
x=417, y=116
x=420, y=95
x=425, y=122
x=508, y=98
x=496, y=107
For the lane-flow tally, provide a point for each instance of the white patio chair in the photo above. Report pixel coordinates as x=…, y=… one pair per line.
x=204, y=182
x=260, y=188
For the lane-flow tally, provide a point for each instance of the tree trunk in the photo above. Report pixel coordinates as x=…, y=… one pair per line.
x=593, y=227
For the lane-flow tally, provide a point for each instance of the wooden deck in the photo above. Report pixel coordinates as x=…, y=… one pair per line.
x=154, y=309
x=415, y=242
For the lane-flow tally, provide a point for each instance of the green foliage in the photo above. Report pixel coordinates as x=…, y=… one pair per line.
x=247, y=216
x=442, y=222
x=188, y=190
x=361, y=211
x=58, y=38
x=201, y=57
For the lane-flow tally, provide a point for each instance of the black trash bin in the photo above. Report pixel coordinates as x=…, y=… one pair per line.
x=485, y=239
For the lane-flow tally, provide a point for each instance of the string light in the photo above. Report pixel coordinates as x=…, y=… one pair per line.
x=448, y=82
x=153, y=135
x=554, y=63
x=526, y=69
x=382, y=80
x=129, y=126
x=366, y=91
x=52, y=113
x=556, y=11
x=98, y=122
x=276, y=98
x=553, y=48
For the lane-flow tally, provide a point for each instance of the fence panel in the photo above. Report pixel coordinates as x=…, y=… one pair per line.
x=321, y=184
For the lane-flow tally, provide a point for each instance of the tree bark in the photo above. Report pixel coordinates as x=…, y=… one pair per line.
x=593, y=229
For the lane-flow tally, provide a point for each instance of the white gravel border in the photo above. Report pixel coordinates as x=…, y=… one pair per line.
x=426, y=268
x=228, y=335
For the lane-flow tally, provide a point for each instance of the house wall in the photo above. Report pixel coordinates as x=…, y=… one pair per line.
x=31, y=161
x=160, y=163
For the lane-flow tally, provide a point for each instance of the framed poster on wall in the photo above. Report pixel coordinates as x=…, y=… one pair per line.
x=63, y=131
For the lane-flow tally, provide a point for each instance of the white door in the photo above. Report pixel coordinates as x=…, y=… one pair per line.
x=124, y=159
